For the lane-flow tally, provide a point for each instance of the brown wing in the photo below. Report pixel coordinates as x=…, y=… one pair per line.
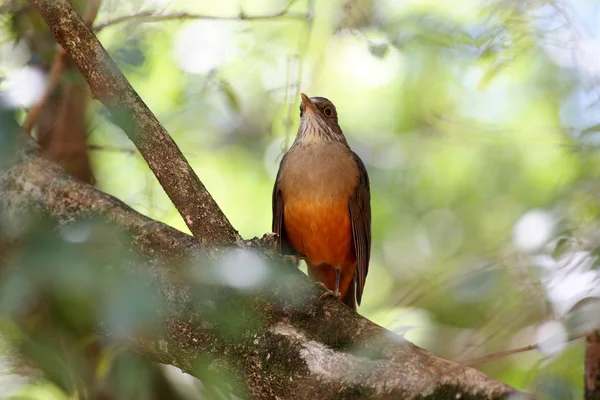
x=277, y=225
x=359, y=206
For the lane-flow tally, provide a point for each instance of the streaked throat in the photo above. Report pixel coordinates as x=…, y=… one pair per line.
x=315, y=130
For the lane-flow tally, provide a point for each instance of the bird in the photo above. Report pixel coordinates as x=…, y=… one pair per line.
x=322, y=204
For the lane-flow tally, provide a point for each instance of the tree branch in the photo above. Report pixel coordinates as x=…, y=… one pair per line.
x=154, y=16
x=56, y=71
x=200, y=212
x=506, y=353
x=592, y=366
x=302, y=348
x=97, y=147
x=55, y=75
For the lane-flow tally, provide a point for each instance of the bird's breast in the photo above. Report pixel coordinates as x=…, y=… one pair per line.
x=320, y=172
x=320, y=231
x=316, y=183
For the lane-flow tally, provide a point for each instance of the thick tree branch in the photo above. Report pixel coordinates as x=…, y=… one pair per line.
x=200, y=212
x=292, y=346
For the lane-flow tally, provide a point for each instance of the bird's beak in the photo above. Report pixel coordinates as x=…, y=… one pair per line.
x=309, y=106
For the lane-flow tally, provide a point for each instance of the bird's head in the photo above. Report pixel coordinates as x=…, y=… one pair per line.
x=318, y=121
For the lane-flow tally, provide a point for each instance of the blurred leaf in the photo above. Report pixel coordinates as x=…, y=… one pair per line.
x=596, y=253
x=591, y=130
x=133, y=377
x=492, y=72
x=554, y=388
x=9, y=131
x=129, y=55
x=232, y=98
x=474, y=286
x=41, y=391
x=123, y=119
x=584, y=316
x=216, y=384
x=379, y=50
x=561, y=248
x=54, y=357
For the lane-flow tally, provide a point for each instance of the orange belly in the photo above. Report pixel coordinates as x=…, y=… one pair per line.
x=321, y=231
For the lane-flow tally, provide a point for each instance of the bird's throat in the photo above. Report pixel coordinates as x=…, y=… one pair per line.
x=314, y=130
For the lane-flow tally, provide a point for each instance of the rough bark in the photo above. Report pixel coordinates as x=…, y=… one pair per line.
x=592, y=366
x=200, y=212
x=60, y=115
x=63, y=129
x=291, y=346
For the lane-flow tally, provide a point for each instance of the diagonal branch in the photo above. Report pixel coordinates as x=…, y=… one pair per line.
x=200, y=212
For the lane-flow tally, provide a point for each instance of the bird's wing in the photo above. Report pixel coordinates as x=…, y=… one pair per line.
x=359, y=206
x=278, y=226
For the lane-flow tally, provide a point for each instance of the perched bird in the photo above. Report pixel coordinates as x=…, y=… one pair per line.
x=322, y=203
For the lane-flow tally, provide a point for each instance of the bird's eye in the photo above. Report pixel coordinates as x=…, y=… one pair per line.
x=328, y=111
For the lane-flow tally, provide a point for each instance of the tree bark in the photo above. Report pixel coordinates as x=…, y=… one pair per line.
x=200, y=212
x=592, y=366
x=60, y=115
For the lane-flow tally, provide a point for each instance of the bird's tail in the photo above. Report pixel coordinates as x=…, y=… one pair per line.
x=350, y=297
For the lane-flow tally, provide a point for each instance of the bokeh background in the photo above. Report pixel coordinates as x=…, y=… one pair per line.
x=478, y=122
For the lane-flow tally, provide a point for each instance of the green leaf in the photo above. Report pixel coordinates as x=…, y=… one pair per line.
x=562, y=247
x=232, y=98
x=591, y=130
x=379, y=50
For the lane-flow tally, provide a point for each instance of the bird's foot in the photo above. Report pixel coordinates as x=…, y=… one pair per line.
x=270, y=237
x=294, y=260
x=328, y=292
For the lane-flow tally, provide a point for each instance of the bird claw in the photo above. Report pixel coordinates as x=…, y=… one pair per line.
x=294, y=260
x=272, y=237
x=290, y=258
x=328, y=292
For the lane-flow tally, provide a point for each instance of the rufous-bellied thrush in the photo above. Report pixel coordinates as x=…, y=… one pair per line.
x=322, y=203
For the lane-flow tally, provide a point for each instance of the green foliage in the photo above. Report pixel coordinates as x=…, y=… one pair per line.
x=8, y=138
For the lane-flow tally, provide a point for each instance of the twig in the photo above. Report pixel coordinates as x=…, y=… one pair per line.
x=506, y=353
x=110, y=148
x=56, y=71
x=500, y=354
x=153, y=16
